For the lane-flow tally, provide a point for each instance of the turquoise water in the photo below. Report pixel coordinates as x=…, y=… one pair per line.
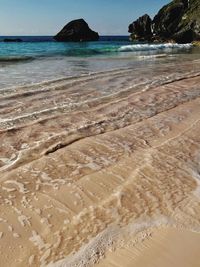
x=40, y=58
x=35, y=47
x=52, y=49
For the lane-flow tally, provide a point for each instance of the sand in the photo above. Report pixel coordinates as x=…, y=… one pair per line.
x=101, y=162
x=164, y=247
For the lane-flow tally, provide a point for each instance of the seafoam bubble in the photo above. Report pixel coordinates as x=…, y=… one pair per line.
x=149, y=47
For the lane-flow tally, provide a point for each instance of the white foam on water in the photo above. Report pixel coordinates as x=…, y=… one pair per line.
x=153, y=56
x=149, y=47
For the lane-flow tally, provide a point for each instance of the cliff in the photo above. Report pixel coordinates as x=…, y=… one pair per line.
x=178, y=21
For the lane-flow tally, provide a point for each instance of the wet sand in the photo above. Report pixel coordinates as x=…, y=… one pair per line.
x=163, y=247
x=91, y=163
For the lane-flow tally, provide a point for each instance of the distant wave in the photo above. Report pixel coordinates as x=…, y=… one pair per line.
x=125, y=48
x=7, y=59
x=82, y=52
x=149, y=47
x=90, y=51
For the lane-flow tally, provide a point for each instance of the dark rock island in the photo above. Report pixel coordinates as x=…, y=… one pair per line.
x=76, y=31
x=179, y=21
x=11, y=40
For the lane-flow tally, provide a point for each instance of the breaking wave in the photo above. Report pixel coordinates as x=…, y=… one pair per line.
x=149, y=47
x=105, y=50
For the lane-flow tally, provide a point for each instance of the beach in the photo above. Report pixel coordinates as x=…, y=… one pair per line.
x=102, y=169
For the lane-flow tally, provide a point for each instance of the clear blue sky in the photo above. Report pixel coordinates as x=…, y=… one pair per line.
x=46, y=17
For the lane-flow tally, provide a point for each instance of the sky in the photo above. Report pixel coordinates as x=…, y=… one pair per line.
x=47, y=17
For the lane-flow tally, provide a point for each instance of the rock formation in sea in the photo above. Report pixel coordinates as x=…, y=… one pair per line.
x=178, y=21
x=141, y=28
x=76, y=31
x=11, y=40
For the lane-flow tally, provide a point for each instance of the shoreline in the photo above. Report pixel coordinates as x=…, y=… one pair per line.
x=161, y=247
x=31, y=63
x=96, y=158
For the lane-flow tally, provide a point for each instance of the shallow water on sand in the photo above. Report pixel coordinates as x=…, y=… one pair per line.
x=88, y=161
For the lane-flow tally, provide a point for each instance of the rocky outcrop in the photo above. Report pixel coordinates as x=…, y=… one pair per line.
x=76, y=31
x=168, y=18
x=178, y=21
x=141, y=28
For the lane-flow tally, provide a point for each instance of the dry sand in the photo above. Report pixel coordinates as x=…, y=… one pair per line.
x=99, y=163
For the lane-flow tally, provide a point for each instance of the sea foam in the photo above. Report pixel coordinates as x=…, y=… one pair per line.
x=149, y=47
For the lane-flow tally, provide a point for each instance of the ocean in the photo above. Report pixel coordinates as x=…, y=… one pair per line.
x=40, y=58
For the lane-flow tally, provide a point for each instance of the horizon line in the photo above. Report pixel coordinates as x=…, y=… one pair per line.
x=27, y=35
